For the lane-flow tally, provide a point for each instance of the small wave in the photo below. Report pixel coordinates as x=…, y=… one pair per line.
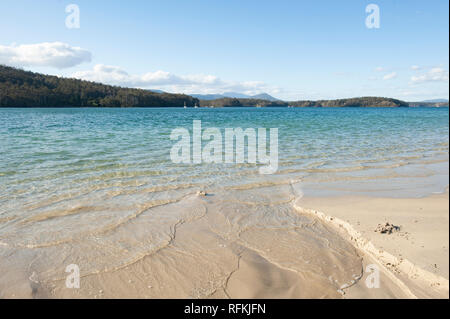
x=102, y=230
x=62, y=213
x=258, y=185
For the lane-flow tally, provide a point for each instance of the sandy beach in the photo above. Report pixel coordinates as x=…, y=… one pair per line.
x=211, y=254
x=417, y=254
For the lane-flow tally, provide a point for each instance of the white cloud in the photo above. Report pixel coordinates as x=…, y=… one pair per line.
x=433, y=75
x=390, y=76
x=407, y=93
x=379, y=69
x=415, y=67
x=50, y=54
x=195, y=83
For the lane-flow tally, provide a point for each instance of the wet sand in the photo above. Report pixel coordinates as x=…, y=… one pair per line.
x=233, y=244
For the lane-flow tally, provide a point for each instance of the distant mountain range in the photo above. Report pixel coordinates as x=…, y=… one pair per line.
x=430, y=103
x=208, y=97
x=436, y=101
x=157, y=91
x=227, y=99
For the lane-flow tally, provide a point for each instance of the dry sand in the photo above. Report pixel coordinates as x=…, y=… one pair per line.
x=415, y=258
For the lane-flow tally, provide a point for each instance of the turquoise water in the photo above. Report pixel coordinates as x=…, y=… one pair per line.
x=76, y=183
x=57, y=151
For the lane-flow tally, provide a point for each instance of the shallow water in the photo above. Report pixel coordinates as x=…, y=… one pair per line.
x=96, y=187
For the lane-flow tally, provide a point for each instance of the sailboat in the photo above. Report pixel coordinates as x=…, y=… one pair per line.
x=185, y=105
x=195, y=105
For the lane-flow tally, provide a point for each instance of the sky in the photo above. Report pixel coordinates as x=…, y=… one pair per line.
x=293, y=50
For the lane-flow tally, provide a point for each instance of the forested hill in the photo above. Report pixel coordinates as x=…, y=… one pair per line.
x=353, y=102
x=20, y=88
x=368, y=101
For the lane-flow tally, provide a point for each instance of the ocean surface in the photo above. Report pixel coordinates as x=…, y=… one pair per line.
x=96, y=187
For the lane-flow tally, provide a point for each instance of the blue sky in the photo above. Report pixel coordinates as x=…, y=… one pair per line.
x=290, y=49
